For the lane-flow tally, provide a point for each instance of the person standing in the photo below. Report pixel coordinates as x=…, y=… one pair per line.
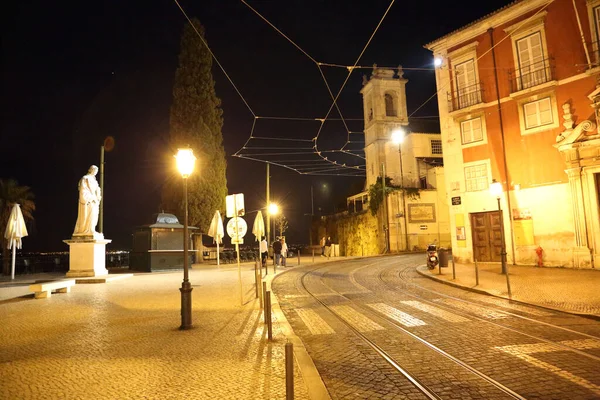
x=328, y=247
x=323, y=246
x=284, y=251
x=264, y=251
x=277, y=252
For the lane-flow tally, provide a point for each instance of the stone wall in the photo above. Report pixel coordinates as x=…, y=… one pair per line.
x=356, y=233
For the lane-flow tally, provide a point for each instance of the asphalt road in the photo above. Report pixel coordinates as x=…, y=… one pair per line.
x=376, y=329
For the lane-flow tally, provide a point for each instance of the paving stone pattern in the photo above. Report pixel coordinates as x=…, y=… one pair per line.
x=493, y=337
x=121, y=341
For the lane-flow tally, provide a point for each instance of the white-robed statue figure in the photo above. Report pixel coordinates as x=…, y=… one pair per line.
x=89, y=205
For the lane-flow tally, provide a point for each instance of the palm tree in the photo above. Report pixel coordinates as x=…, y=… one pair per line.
x=11, y=193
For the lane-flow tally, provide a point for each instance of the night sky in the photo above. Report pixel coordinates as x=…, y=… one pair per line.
x=76, y=72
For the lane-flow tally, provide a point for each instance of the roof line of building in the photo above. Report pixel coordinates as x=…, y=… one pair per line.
x=430, y=44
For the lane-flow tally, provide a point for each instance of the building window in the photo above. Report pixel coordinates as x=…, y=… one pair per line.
x=436, y=146
x=476, y=177
x=470, y=130
x=532, y=63
x=597, y=23
x=389, y=106
x=538, y=113
x=467, y=90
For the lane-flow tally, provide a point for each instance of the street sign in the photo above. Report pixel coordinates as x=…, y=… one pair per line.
x=236, y=228
x=456, y=201
x=234, y=204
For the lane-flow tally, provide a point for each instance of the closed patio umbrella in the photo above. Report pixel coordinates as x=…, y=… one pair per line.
x=15, y=231
x=258, y=228
x=216, y=231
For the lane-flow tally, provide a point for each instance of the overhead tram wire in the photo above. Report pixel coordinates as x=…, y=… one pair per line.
x=215, y=58
x=307, y=55
x=315, y=151
x=350, y=69
x=334, y=98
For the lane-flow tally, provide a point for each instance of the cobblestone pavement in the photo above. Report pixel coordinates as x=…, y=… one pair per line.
x=506, y=350
x=566, y=289
x=121, y=341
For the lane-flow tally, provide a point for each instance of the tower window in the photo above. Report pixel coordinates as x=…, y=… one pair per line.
x=390, y=111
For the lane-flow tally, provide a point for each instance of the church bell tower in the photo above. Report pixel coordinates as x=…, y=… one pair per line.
x=384, y=105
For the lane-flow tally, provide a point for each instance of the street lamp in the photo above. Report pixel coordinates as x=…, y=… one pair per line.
x=273, y=210
x=185, y=164
x=398, y=136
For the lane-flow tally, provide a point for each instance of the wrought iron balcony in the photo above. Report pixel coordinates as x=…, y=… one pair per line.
x=465, y=97
x=594, y=53
x=531, y=75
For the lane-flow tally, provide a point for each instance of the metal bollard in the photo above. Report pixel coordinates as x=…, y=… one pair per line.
x=298, y=257
x=453, y=269
x=269, y=323
x=508, y=283
x=289, y=371
x=256, y=278
x=476, y=274
x=313, y=255
x=264, y=292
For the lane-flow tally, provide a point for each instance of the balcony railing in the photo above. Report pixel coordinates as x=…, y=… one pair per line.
x=465, y=97
x=531, y=75
x=594, y=53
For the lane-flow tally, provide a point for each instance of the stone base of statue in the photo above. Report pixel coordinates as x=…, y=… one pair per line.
x=87, y=255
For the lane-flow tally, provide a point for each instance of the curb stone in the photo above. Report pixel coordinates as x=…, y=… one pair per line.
x=484, y=292
x=312, y=379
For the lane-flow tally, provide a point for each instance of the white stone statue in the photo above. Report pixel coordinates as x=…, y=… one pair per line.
x=89, y=205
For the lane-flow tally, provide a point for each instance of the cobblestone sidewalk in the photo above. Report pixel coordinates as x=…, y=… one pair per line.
x=570, y=290
x=121, y=340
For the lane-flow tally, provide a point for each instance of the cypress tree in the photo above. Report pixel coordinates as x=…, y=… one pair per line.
x=196, y=120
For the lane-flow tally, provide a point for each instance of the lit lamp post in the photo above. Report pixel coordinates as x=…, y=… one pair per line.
x=185, y=164
x=273, y=211
x=496, y=191
x=398, y=136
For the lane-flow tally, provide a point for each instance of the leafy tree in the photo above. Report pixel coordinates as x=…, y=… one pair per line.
x=376, y=193
x=196, y=121
x=11, y=193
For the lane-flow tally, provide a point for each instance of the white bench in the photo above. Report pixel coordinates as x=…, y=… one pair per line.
x=45, y=289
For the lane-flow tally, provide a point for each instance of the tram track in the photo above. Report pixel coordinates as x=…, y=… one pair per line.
x=427, y=391
x=402, y=276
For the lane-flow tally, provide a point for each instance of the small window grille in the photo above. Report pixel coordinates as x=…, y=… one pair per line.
x=436, y=146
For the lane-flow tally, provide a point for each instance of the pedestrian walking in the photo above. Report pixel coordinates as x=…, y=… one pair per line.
x=264, y=251
x=284, y=251
x=323, y=240
x=277, y=251
x=328, y=247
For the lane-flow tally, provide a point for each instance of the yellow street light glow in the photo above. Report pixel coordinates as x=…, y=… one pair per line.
x=273, y=209
x=398, y=135
x=496, y=189
x=185, y=161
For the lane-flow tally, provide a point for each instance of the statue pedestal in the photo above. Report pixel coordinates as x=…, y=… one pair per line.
x=87, y=256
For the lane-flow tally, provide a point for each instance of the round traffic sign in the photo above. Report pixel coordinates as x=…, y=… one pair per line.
x=242, y=227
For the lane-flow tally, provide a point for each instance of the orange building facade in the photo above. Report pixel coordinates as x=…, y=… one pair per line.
x=519, y=102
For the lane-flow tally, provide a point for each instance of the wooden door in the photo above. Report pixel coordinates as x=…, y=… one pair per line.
x=487, y=236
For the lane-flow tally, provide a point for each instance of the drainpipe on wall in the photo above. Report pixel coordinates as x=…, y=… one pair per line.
x=512, y=234
x=587, y=54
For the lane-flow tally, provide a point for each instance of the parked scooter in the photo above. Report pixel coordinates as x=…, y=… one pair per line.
x=432, y=256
